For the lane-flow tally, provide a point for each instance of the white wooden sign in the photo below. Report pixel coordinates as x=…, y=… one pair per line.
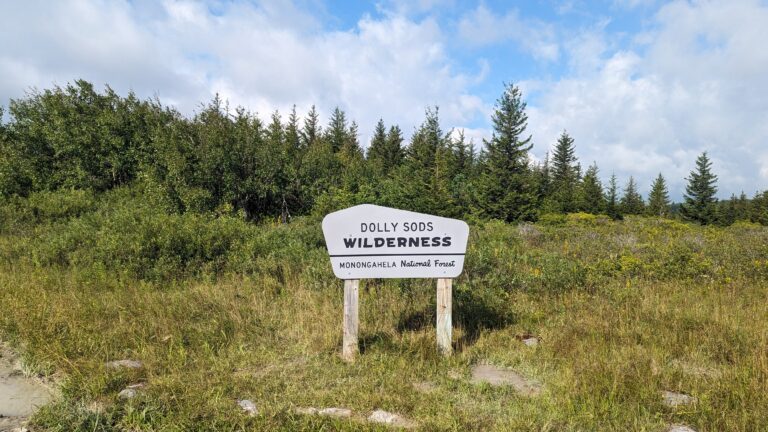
x=370, y=241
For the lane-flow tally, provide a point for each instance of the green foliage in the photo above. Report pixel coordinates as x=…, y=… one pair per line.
x=506, y=189
x=612, y=205
x=591, y=198
x=213, y=304
x=658, y=198
x=74, y=137
x=565, y=175
x=225, y=161
x=632, y=202
x=699, y=205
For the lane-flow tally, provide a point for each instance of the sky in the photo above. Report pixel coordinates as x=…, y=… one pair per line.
x=643, y=86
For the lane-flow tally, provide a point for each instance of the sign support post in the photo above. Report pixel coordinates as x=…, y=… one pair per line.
x=444, y=321
x=350, y=348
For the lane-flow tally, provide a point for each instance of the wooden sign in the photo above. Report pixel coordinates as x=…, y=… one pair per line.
x=369, y=241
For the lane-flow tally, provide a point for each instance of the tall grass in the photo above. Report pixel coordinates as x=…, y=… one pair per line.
x=218, y=309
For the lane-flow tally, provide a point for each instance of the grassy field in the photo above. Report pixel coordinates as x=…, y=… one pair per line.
x=219, y=310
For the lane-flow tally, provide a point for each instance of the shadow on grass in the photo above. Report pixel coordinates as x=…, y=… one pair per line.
x=471, y=312
x=379, y=340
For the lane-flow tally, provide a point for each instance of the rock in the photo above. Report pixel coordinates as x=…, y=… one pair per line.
x=131, y=391
x=248, y=406
x=674, y=399
x=388, y=418
x=335, y=412
x=306, y=411
x=531, y=341
x=680, y=428
x=20, y=396
x=497, y=376
x=127, y=393
x=125, y=364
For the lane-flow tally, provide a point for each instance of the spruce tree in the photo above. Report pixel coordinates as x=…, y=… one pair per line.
x=394, y=152
x=565, y=174
x=612, y=207
x=632, y=202
x=658, y=198
x=591, y=197
x=337, y=132
x=376, y=154
x=310, y=133
x=505, y=187
x=699, y=204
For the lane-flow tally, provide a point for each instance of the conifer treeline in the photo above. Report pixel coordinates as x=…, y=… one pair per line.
x=231, y=160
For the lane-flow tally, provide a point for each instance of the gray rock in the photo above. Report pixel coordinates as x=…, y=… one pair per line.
x=497, y=376
x=335, y=412
x=125, y=364
x=248, y=406
x=388, y=418
x=680, y=428
x=127, y=393
x=674, y=399
x=531, y=341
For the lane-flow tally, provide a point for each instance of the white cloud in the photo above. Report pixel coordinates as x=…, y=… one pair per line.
x=697, y=84
x=263, y=56
x=482, y=27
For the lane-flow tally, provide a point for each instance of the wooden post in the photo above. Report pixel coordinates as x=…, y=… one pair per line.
x=444, y=323
x=349, y=348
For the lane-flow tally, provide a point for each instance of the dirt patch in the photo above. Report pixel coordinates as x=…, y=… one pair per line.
x=20, y=395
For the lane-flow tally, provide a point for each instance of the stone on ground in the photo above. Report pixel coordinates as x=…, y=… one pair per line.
x=125, y=364
x=131, y=391
x=335, y=412
x=127, y=393
x=531, y=341
x=497, y=376
x=388, y=418
x=248, y=406
x=20, y=396
x=674, y=399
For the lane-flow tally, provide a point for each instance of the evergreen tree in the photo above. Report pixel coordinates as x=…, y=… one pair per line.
x=591, y=197
x=423, y=182
x=658, y=198
x=699, y=204
x=292, y=133
x=565, y=174
x=394, y=153
x=311, y=130
x=742, y=207
x=337, y=132
x=632, y=202
x=612, y=207
x=376, y=154
x=505, y=187
x=758, y=212
x=726, y=213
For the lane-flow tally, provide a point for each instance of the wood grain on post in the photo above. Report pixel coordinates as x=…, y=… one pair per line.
x=349, y=348
x=444, y=323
